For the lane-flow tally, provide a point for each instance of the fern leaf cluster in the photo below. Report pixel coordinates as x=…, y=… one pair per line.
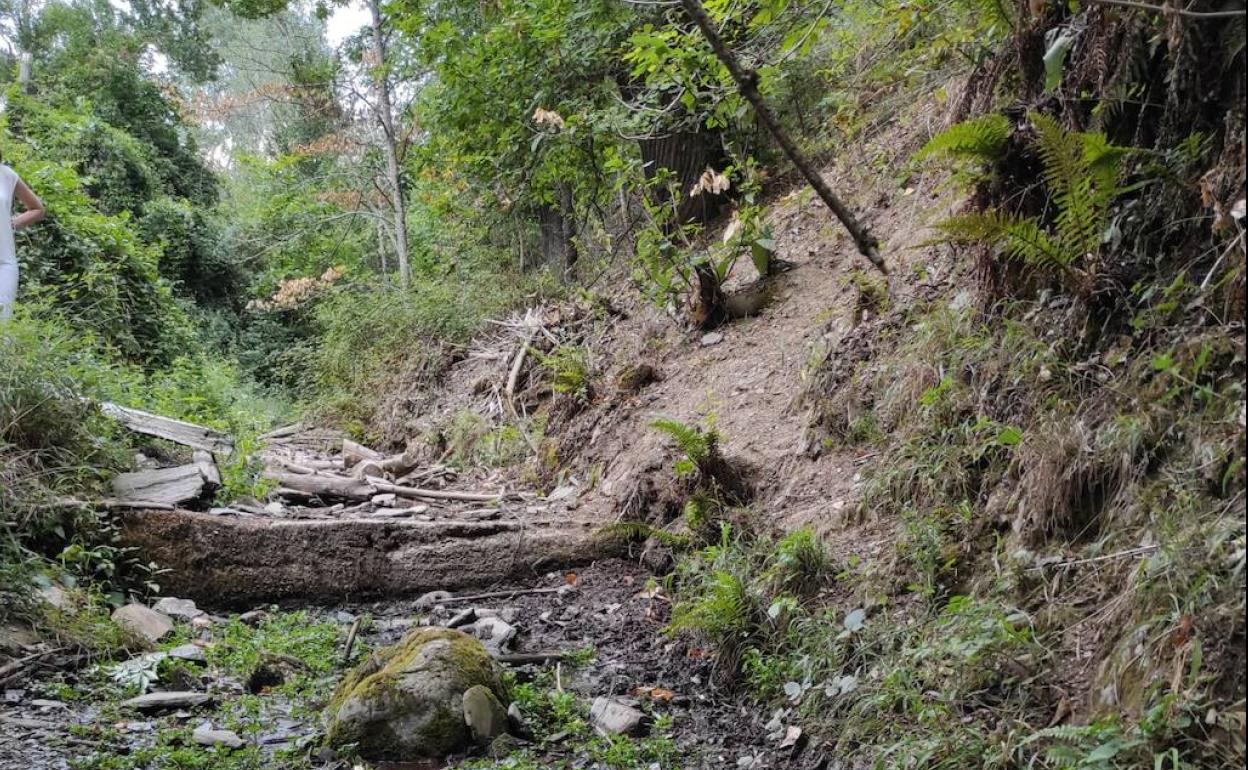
x=1081, y=173
x=981, y=139
x=695, y=443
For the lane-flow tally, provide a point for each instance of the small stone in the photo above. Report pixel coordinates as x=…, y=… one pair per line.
x=519, y=725
x=55, y=596
x=712, y=338
x=611, y=717
x=178, y=608
x=143, y=621
x=202, y=622
x=495, y=634
x=159, y=701
x=385, y=499
x=206, y=736
x=275, y=508
x=432, y=599
x=484, y=715
x=191, y=652
x=253, y=617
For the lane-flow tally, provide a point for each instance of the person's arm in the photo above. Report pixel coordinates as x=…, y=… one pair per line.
x=34, y=207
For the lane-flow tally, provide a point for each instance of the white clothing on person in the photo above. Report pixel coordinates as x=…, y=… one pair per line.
x=8, y=250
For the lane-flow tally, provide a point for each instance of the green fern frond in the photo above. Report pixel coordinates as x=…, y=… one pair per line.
x=697, y=444
x=975, y=227
x=1026, y=242
x=981, y=139
x=1021, y=239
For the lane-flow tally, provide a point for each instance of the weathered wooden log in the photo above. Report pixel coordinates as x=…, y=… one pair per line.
x=177, y=431
x=283, y=432
x=400, y=464
x=367, y=468
x=163, y=485
x=353, y=453
x=382, y=485
x=325, y=485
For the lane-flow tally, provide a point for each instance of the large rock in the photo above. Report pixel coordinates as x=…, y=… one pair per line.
x=407, y=701
x=144, y=621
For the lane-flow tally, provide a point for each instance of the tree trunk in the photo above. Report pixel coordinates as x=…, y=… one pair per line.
x=385, y=115
x=687, y=154
x=557, y=231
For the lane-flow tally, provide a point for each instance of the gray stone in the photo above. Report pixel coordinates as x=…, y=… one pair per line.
x=206, y=736
x=611, y=717
x=407, y=701
x=159, y=701
x=144, y=621
x=178, y=608
x=191, y=652
x=484, y=714
x=712, y=338
x=495, y=633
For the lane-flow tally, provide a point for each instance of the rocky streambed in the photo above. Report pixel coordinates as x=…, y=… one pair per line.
x=576, y=667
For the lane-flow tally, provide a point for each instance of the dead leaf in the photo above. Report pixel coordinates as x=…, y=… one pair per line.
x=697, y=653
x=570, y=578
x=791, y=737
x=657, y=694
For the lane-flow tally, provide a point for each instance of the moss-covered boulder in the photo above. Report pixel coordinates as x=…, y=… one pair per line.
x=406, y=701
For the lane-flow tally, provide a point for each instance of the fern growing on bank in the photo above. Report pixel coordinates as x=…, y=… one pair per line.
x=1080, y=171
x=697, y=444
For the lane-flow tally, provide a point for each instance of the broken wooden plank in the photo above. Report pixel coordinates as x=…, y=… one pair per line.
x=177, y=431
x=163, y=485
x=207, y=466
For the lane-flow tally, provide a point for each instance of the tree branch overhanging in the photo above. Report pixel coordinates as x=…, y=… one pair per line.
x=747, y=84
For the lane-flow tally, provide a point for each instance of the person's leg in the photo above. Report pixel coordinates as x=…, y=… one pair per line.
x=8, y=288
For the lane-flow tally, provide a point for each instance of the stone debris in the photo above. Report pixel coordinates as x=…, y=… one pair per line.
x=161, y=701
x=610, y=716
x=206, y=736
x=495, y=634
x=178, y=608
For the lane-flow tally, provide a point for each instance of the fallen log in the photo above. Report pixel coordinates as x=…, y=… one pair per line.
x=353, y=453
x=177, y=431
x=382, y=485
x=325, y=485
x=163, y=485
x=283, y=432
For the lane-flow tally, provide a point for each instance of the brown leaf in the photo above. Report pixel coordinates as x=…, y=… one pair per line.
x=658, y=694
